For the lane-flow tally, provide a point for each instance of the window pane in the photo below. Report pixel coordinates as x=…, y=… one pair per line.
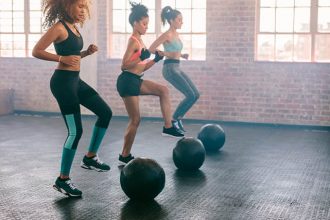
x=118, y=45
x=19, y=53
x=129, y=28
x=302, y=3
x=18, y=21
x=322, y=52
x=302, y=48
x=186, y=17
x=285, y=3
x=118, y=18
x=186, y=41
x=198, y=3
x=19, y=41
x=324, y=20
x=168, y=3
x=36, y=14
x=265, y=47
x=35, y=5
x=324, y=3
x=267, y=19
x=33, y=39
x=35, y=21
x=6, y=25
x=302, y=20
x=35, y=25
x=19, y=45
x=149, y=3
x=118, y=4
x=199, y=20
x=6, y=53
x=18, y=4
x=267, y=3
x=198, y=47
x=6, y=5
x=151, y=25
x=6, y=41
x=180, y=4
x=284, y=47
x=6, y=15
x=284, y=20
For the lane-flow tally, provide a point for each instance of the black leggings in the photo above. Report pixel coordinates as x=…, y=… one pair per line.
x=70, y=91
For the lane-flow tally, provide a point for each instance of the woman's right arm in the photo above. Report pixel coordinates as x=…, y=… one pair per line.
x=127, y=63
x=160, y=40
x=52, y=35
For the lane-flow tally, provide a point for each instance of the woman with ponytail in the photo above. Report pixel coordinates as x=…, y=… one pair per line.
x=171, y=68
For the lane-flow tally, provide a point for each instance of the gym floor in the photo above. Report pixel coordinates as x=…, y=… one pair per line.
x=262, y=172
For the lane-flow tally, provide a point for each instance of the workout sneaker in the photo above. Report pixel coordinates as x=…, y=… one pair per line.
x=126, y=159
x=178, y=125
x=94, y=163
x=181, y=125
x=66, y=187
x=172, y=132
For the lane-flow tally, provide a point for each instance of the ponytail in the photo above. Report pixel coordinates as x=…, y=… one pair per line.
x=168, y=14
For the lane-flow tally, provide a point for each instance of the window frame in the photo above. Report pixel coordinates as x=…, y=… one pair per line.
x=27, y=16
x=313, y=33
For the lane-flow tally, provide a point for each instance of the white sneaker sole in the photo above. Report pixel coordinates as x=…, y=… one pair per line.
x=121, y=163
x=92, y=168
x=64, y=192
x=168, y=135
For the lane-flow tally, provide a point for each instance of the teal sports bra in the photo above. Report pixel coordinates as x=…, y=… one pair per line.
x=173, y=46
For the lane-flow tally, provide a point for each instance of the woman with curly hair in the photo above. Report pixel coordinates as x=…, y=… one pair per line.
x=171, y=69
x=130, y=84
x=61, y=17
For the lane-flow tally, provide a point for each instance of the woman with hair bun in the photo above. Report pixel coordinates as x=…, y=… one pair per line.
x=130, y=84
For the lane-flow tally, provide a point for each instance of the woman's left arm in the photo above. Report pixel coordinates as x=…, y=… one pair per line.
x=90, y=50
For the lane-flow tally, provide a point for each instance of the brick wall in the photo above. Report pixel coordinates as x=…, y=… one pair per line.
x=233, y=86
x=30, y=80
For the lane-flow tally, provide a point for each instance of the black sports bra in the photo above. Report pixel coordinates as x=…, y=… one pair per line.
x=72, y=45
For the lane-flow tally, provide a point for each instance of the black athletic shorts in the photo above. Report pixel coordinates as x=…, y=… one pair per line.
x=129, y=84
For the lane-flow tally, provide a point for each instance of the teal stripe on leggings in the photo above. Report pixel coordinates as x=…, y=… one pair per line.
x=97, y=137
x=67, y=159
x=68, y=153
x=72, y=131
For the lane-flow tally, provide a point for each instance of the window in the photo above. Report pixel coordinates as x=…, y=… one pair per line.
x=193, y=36
x=293, y=30
x=20, y=27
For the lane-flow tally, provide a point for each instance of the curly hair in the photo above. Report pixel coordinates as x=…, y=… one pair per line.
x=55, y=10
x=168, y=14
x=138, y=11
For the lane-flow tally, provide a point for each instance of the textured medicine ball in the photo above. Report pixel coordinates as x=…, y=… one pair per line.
x=188, y=154
x=212, y=136
x=142, y=179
